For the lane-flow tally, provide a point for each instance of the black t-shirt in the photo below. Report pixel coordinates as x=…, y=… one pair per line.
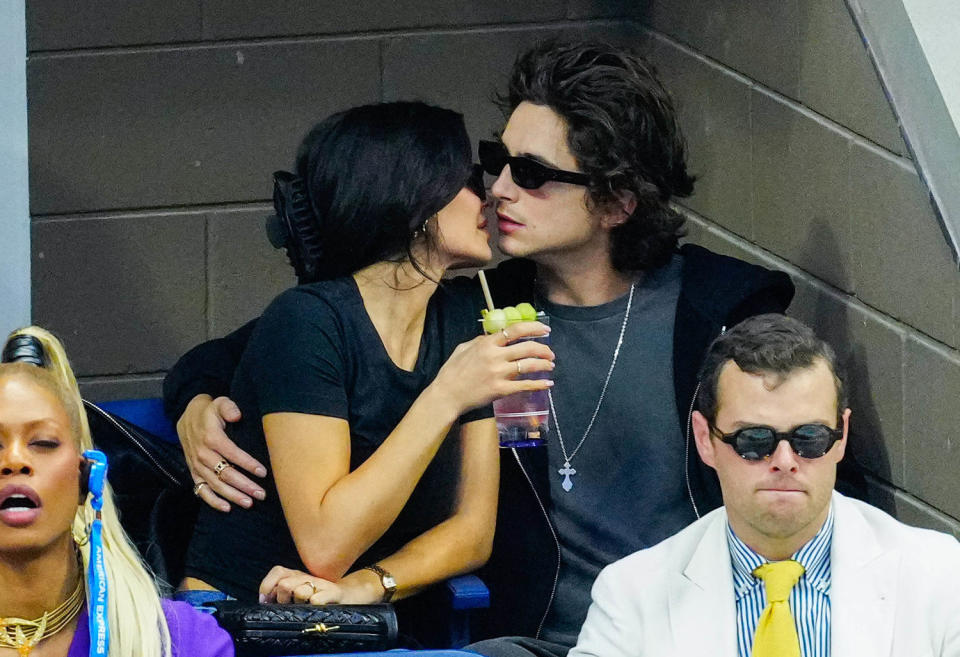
x=316, y=351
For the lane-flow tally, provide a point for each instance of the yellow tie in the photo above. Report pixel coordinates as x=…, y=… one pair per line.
x=776, y=632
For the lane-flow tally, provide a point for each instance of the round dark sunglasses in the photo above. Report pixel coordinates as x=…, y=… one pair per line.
x=810, y=441
x=526, y=172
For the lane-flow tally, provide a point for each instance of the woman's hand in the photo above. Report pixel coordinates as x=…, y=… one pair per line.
x=205, y=445
x=286, y=586
x=488, y=367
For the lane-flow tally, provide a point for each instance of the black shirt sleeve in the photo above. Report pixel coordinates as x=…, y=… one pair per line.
x=297, y=357
x=207, y=368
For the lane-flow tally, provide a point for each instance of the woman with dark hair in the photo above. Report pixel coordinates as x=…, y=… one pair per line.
x=351, y=385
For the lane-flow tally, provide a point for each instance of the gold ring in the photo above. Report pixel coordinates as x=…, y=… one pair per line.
x=505, y=336
x=197, y=486
x=220, y=467
x=519, y=371
x=312, y=586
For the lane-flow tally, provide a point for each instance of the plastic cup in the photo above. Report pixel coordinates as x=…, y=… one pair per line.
x=523, y=417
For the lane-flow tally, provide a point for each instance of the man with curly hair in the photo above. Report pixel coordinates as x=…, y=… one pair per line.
x=631, y=316
x=586, y=167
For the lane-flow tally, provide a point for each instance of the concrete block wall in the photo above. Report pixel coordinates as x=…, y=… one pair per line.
x=155, y=126
x=802, y=168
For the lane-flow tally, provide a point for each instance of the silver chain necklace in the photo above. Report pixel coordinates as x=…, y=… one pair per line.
x=566, y=471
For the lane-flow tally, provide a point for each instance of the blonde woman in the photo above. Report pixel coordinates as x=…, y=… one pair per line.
x=45, y=516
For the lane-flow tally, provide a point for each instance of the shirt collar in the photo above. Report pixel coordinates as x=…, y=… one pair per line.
x=814, y=556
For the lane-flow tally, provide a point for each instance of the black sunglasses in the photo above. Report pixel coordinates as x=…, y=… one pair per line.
x=810, y=441
x=475, y=182
x=526, y=172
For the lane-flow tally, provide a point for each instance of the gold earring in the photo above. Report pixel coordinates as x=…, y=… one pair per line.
x=82, y=539
x=83, y=536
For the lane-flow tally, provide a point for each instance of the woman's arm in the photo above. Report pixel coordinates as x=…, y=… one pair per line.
x=335, y=515
x=457, y=545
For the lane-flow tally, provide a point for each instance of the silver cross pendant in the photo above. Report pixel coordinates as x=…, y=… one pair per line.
x=566, y=471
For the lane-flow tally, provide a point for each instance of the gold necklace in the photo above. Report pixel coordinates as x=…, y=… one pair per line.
x=25, y=634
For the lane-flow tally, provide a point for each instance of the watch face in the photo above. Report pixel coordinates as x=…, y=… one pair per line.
x=388, y=582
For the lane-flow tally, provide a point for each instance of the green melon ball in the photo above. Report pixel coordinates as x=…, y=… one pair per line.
x=512, y=314
x=527, y=312
x=494, y=320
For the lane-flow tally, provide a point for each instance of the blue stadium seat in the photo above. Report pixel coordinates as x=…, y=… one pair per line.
x=146, y=414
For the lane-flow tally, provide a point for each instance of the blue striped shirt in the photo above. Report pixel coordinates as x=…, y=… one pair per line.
x=809, y=599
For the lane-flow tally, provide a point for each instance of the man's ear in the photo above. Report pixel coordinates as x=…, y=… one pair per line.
x=841, y=447
x=701, y=435
x=621, y=209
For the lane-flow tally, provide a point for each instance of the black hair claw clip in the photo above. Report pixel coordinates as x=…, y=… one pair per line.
x=24, y=349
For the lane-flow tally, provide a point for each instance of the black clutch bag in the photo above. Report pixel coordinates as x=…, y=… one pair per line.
x=272, y=629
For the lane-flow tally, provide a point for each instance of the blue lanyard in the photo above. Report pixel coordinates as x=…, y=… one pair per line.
x=97, y=572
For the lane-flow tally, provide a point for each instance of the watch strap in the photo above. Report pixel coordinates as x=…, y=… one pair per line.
x=387, y=581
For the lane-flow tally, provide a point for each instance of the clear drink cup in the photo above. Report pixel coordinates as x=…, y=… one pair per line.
x=523, y=417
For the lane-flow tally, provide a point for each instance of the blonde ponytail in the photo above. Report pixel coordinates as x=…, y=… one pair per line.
x=137, y=623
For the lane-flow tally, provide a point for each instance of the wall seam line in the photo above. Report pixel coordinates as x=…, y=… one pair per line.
x=919, y=501
x=322, y=37
x=381, y=46
x=903, y=405
x=207, y=323
x=777, y=96
x=150, y=211
x=813, y=279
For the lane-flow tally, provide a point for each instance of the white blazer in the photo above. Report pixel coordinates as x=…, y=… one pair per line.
x=895, y=592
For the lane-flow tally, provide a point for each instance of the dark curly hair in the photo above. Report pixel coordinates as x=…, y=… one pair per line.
x=623, y=132
x=766, y=344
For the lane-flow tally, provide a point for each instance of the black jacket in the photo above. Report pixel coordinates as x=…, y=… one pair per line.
x=716, y=291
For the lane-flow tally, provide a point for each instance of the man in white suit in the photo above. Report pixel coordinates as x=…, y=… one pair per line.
x=773, y=422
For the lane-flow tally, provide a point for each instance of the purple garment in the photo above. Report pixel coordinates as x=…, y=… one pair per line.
x=192, y=634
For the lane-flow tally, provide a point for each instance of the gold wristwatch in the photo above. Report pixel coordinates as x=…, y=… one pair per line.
x=386, y=580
